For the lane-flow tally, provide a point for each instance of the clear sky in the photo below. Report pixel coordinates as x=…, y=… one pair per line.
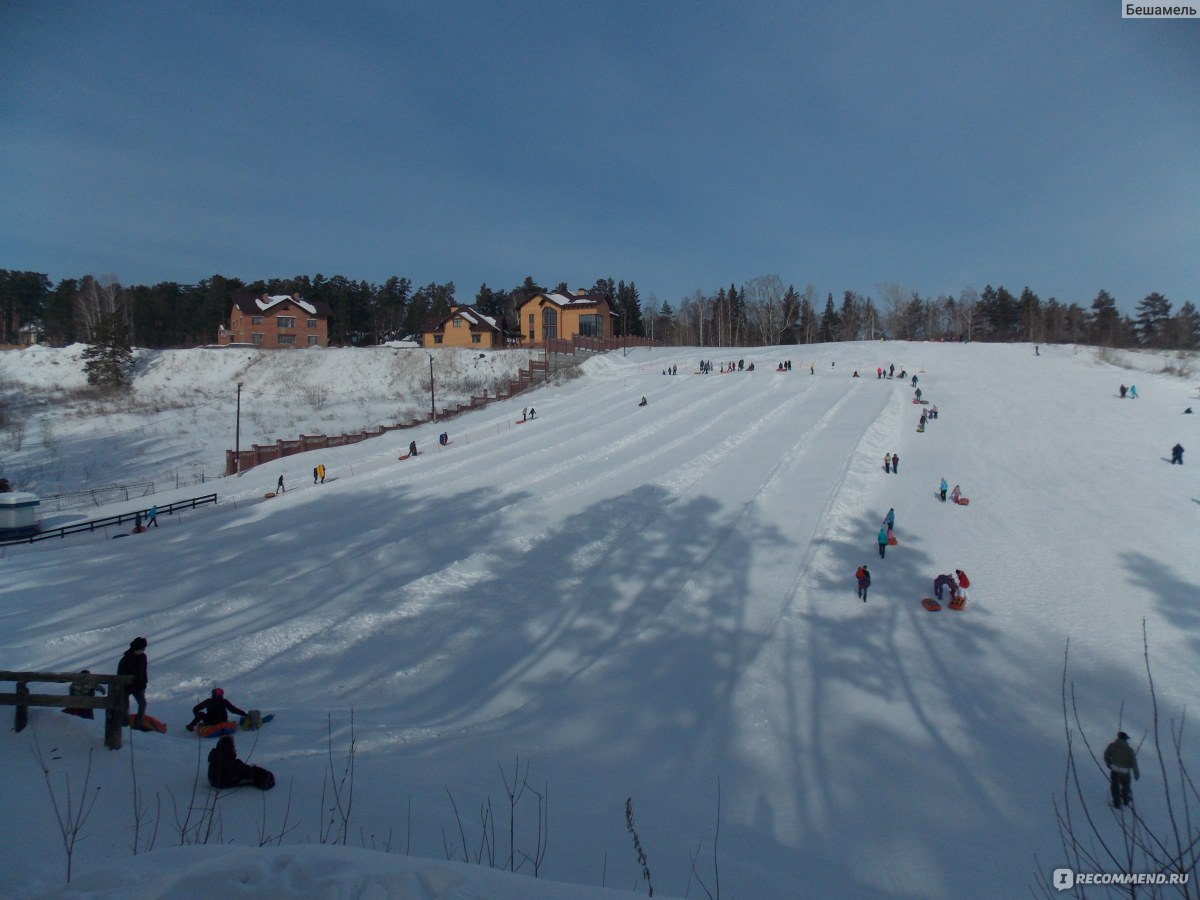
x=681, y=145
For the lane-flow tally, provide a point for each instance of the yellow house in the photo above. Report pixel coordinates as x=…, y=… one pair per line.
x=465, y=327
x=555, y=315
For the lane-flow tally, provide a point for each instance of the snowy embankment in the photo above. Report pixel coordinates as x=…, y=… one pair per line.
x=640, y=603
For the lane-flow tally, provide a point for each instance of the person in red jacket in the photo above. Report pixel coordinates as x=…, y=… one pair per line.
x=864, y=582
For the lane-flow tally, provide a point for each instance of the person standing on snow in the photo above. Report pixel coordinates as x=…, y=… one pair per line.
x=883, y=533
x=1121, y=761
x=895, y=464
x=213, y=711
x=1133, y=392
x=864, y=582
x=942, y=488
x=890, y=519
x=887, y=464
x=1177, y=454
x=917, y=394
x=956, y=494
x=133, y=663
x=279, y=488
x=914, y=381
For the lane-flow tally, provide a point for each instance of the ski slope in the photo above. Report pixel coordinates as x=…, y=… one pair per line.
x=643, y=602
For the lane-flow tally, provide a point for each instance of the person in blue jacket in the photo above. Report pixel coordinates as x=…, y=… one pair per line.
x=890, y=519
x=943, y=488
x=883, y=533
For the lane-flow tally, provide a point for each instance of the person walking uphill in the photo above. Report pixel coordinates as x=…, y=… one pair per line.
x=883, y=535
x=1121, y=761
x=887, y=464
x=864, y=582
x=1177, y=454
x=942, y=488
x=890, y=519
x=213, y=711
x=895, y=464
x=133, y=663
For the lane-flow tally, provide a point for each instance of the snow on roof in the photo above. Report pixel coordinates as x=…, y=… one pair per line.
x=571, y=299
x=266, y=302
x=476, y=317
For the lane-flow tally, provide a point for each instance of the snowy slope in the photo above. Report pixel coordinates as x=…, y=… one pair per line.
x=638, y=602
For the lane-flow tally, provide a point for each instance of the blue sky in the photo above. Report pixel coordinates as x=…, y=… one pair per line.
x=680, y=145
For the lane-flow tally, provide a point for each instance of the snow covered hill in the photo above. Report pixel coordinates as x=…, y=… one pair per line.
x=654, y=604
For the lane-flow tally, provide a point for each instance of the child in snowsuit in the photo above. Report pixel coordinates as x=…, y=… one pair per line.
x=956, y=494
x=883, y=533
x=213, y=711
x=225, y=770
x=943, y=582
x=1177, y=454
x=963, y=583
x=1123, y=390
x=864, y=582
x=942, y=490
x=1133, y=391
x=1121, y=761
x=84, y=688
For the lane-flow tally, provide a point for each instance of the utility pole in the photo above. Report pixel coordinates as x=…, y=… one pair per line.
x=432, y=408
x=237, y=439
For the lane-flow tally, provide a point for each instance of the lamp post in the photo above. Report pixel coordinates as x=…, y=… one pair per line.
x=432, y=408
x=237, y=438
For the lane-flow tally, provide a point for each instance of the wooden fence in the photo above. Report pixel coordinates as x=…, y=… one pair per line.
x=115, y=705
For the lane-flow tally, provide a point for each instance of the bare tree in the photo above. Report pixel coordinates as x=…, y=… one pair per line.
x=765, y=306
x=895, y=302
x=968, y=311
x=97, y=298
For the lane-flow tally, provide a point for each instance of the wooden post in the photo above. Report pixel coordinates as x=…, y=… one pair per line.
x=115, y=715
x=22, y=707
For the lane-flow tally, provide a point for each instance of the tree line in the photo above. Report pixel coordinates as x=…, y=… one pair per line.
x=761, y=312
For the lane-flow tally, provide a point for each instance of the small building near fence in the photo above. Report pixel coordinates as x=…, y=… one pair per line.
x=18, y=514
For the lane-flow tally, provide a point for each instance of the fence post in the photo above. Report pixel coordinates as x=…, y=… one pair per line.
x=22, y=706
x=115, y=715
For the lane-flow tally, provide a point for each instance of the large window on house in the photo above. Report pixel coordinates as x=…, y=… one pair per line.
x=256, y=320
x=437, y=338
x=549, y=323
x=591, y=326
x=285, y=321
x=312, y=323
x=475, y=338
x=312, y=339
x=256, y=338
x=457, y=323
x=286, y=339
x=531, y=321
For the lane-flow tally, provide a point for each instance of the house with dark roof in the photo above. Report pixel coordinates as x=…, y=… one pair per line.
x=280, y=322
x=561, y=316
x=465, y=326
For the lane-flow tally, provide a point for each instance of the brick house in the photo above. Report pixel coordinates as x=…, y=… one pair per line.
x=278, y=322
x=555, y=315
x=465, y=326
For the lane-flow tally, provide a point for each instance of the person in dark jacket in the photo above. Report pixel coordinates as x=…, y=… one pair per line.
x=133, y=663
x=225, y=770
x=1177, y=454
x=1121, y=761
x=412, y=448
x=213, y=711
x=944, y=582
x=895, y=464
x=864, y=582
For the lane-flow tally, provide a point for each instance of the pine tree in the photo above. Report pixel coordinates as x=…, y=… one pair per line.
x=109, y=356
x=1153, y=314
